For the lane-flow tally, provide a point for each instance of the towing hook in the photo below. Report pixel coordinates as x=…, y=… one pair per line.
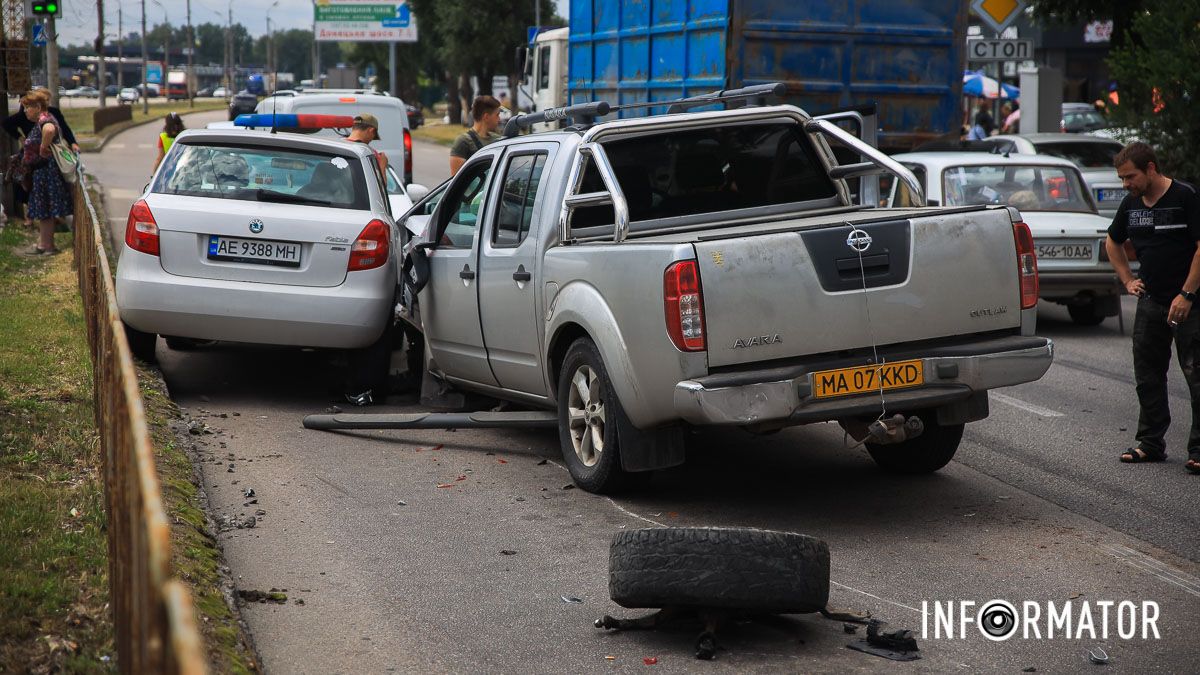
x=895, y=429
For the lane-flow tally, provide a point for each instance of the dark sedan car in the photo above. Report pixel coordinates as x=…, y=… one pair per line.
x=415, y=117
x=242, y=103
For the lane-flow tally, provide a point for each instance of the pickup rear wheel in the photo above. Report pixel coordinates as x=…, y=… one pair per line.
x=926, y=453
x=588, y=410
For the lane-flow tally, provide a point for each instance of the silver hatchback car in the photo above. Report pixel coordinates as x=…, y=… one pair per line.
x=276, y=239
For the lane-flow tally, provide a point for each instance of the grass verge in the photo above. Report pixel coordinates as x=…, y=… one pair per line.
x=54, y=558
x=442, y=134
x=80, y=119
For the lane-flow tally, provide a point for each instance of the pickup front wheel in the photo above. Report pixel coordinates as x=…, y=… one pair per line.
x=926, y=453
x=588, y=411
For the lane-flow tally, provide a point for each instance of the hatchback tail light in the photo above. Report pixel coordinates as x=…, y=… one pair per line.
x=1026, y=265
x=370, y=248
x=141, y=232
x=408, y=163
x=684, y=303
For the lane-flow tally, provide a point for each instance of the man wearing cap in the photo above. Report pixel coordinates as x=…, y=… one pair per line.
x=365, y=130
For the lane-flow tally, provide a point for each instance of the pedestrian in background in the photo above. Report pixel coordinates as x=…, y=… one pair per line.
x=1161, y=217
x=18, y=126
x=485, y=110
x=365, y=130
x=1012, y=121
x=49, y=196
x=172, y=127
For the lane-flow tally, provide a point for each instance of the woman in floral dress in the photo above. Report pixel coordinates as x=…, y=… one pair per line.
x=50, y=197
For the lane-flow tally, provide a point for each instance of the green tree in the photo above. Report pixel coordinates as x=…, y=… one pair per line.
x=1122, y=13
x=1158, y=70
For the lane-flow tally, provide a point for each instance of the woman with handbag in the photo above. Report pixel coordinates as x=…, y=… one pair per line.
x=49, y=196
x=18, y=126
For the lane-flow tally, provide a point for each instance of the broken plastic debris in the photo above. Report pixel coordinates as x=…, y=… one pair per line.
x=542, y=462
x=568, y=487
x=360, y=399
x=502, y=461
x=1098, y=656
x=650, y=660
x=248, y=493
x=508, y=552
x=571, y=599
x=445, y=485
x=401, y=502
x=610, y=657
x=461, y=477
x=74, y=512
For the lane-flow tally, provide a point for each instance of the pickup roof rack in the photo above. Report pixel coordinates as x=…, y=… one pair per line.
x=586, y=112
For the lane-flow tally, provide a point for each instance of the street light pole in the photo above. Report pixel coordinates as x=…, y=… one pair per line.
x=101, y=76
x=145, y=66
x=120, y=53
x=191, y=48
x=271, y=48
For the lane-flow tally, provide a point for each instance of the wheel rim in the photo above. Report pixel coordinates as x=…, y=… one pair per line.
x=586, y=415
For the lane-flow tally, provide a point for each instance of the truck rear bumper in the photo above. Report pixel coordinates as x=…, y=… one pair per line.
x=952, y=374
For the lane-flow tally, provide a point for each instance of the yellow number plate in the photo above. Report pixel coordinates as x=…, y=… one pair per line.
x=865, y=379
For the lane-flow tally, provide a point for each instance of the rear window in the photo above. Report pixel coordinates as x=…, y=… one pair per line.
x=1028, y=188
x=392, y=118
x=699, y=171
x=1097, y=155
x=263, y=175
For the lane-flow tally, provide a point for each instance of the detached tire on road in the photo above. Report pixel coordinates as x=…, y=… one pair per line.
x=759, y=571
x=926, y=453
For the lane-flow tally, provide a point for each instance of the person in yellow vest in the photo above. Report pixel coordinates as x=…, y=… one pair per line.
x=172, y=127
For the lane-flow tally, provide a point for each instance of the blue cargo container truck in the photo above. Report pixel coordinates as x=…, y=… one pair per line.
x=904, y=56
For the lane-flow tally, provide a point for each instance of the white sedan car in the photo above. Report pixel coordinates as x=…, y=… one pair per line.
x=277, y=239
x=1073, y=268
x=1092, y=154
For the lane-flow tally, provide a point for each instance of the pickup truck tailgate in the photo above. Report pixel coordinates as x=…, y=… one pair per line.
x=794, y=293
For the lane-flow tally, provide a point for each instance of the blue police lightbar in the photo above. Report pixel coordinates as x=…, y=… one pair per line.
x=273, y=121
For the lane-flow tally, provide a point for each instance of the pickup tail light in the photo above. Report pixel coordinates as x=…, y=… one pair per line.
x=684, y=303
x=370, y=249
x=141, y=232
x=408, y=163
x=1026, y=265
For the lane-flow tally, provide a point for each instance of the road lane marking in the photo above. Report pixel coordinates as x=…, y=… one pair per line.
x=145, y=146
x=1022, y=405
x=1156, y=568
x=872, y=595
x=117, y=146
x=123, y=193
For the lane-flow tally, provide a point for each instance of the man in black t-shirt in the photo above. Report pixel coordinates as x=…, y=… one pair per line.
x=1161, y=217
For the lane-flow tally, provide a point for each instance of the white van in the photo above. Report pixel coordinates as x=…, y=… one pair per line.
x=395, y=140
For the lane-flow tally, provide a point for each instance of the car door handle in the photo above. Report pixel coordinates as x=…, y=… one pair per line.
x=521, y=274
x=466, y=273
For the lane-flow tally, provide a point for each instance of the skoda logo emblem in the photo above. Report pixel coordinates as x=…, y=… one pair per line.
x=256, y=226
x=857, y=239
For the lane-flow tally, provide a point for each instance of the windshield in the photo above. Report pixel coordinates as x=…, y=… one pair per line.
x=1028, y=188
x=1088, y=155
x=263, y=174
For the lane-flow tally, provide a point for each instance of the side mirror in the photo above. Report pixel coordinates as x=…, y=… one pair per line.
x=416, y=191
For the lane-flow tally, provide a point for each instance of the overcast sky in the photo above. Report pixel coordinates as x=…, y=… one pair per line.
x=78, y=24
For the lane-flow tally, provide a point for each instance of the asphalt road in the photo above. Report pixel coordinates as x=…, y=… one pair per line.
x=398, y=574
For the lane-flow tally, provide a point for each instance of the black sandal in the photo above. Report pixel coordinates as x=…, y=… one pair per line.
x=1139, y=455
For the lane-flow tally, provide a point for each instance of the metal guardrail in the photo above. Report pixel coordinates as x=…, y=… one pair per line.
x=153, y=615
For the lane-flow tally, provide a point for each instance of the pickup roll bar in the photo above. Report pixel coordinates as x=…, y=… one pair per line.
x=873, y=156
x=592, y=109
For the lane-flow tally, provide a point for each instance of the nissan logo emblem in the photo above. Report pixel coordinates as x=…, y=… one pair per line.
x=858, y=240
x=256, y=226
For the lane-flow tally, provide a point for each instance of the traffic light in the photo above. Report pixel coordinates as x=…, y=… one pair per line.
x=45, y=8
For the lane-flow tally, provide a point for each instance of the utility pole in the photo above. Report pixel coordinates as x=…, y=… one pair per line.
x=145, y=66
x=191, y=48
x=316, y=52
x=229, y=52
x=52, y=60
x=120, y=52
x=101, y=76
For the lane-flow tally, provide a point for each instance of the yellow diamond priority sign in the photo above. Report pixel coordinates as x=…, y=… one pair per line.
x=998, y=14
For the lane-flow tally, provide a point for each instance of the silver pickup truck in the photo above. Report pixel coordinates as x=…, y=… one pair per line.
x=644, y=275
